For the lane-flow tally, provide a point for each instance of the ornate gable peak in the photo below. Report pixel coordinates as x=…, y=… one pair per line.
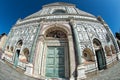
x=59, y=4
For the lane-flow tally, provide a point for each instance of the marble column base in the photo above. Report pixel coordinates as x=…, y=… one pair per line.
x=3, y=56
x=29, y=69
x=81, y=72
x=118, y=56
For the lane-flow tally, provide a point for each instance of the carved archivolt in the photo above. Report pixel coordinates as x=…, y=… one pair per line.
x=54, y=33
x=53, y=27
x=19, y=43
x=97, y=44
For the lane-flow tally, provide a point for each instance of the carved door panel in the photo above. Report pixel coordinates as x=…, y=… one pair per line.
x=55, y=66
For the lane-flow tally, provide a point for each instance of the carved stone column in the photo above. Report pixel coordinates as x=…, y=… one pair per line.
x=38, y=57
x=80, y=66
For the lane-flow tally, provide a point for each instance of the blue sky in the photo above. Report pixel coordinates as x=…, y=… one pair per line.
x=11, y=10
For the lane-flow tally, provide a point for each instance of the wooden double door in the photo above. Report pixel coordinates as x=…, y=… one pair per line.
x=101, y=59
x=55, y=62
x=16, y=58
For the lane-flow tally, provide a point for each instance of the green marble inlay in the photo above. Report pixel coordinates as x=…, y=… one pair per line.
x=34, y=44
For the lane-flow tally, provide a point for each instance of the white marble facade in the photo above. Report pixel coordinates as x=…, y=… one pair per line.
x=86, y=41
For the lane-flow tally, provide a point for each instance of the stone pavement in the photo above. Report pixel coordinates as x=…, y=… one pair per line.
x=9, y=73
x=112, y=73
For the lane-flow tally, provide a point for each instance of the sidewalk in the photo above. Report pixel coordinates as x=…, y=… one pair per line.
x=112, y=73
x=9, y=73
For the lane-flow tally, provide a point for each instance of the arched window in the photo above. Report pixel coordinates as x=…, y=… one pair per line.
x=11, y=49
x=97, y=44
x=56, y=33
x=59, y=11
x=88, y=54
x=113, y=49
x=26, y=54
x=7, y=47
x=19, y=43
x=107, y=50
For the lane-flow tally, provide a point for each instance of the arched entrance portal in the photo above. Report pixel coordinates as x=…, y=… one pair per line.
x=17, y=52
x=57, y=53
x=16, y=58
x=99, y=54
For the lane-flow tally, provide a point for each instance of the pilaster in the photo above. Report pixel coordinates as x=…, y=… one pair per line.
x=71, y=57
x=80, y=67
x=38, y=56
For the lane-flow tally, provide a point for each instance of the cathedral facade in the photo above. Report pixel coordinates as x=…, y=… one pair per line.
x=60, y=41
